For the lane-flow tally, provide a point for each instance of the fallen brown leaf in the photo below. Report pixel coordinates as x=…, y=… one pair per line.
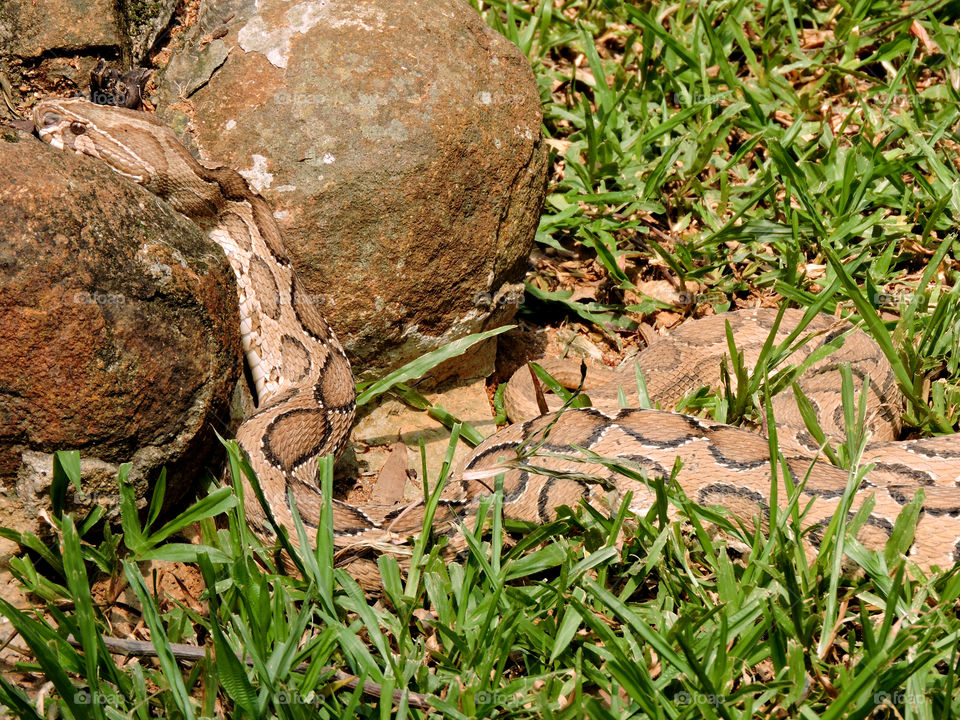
x=393, y=476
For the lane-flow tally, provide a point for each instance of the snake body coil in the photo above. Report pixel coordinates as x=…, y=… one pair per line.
x=306, y=393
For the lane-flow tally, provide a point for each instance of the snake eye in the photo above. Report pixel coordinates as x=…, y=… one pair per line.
x=77, y=128
x=50, y=119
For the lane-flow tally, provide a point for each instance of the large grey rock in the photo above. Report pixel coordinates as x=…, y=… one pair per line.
x=399, y=144
x=118, y=330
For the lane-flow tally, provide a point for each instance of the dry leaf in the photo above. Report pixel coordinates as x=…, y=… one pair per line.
x=920, y=33
x=393, y=477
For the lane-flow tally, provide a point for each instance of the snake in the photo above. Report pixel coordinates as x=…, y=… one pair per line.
x=617, y=448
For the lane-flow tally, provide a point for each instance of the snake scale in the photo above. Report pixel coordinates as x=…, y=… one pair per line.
x=306, y=397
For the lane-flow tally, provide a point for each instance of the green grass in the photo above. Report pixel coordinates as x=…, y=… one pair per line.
x=710, y=144
x=741, y=149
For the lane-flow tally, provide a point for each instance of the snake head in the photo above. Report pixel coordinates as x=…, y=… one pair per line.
x=126, y=140
x=141, y=148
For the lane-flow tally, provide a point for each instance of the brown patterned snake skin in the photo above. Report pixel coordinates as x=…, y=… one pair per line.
x=306, y=392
